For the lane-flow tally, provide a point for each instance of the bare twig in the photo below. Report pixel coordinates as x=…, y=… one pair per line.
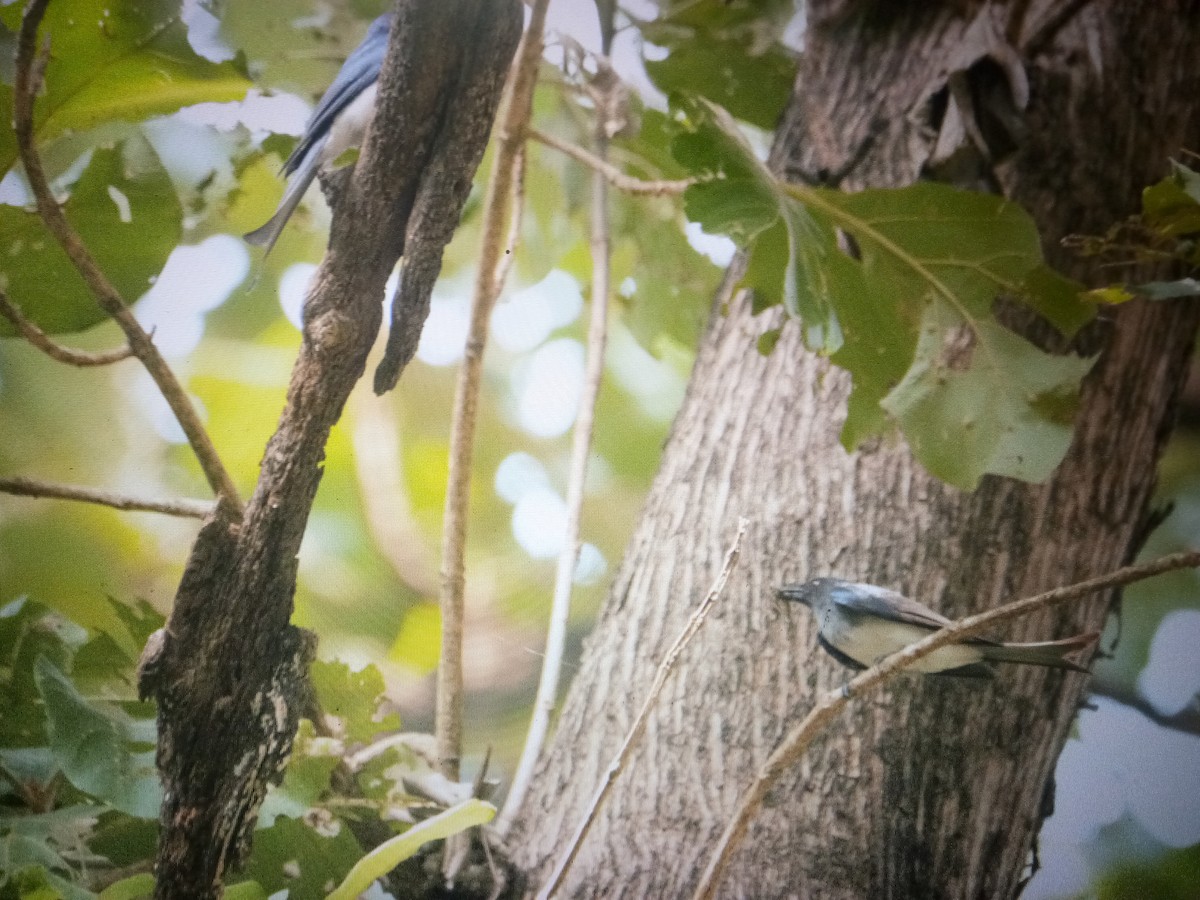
x=518, y=106
x=28, y=81
x=611, y=173
x=639, y=725
x=792, y=747
x=581, y=444
x=1186, y=721
x=53, y=349
x=30, y=487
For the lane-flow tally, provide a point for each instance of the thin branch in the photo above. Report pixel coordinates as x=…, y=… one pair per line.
x=611, y=173
x=29, y=64
x=793, y=746
x=639, y=725
x=505, y=264
x=581, y=444
x=42, y=341
x=30, y=487
x=1186, y=721
x=518, y=107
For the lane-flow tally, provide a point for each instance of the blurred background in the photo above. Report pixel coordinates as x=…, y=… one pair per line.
x=227, y=320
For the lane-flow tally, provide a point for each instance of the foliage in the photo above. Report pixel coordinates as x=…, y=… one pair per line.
x=1166, y=230
x=79, y=796
x=897, y=286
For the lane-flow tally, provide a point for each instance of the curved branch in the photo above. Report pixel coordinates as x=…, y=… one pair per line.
x=792, y=747
x=56, y=351
x=32, y=487
x=29, y=65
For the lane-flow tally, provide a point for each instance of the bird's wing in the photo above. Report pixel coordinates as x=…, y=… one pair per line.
x=358, y=72
x=870, y=599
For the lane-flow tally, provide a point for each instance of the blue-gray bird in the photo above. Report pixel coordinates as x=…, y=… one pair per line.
x=860, y=624
x=338, y=123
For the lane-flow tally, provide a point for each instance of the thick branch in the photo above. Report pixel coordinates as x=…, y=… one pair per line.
x=792, y=747
x=31, y=487
x=229, y=671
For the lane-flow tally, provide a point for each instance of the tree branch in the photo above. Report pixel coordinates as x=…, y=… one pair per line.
x=639, y=724
x=797, y=741
x=611, y=173
x=518, y=106
x=29, y=66
x=53, y=349
x=581, y=443
x=1186, y=721
x=229, y=671
x=31, y=487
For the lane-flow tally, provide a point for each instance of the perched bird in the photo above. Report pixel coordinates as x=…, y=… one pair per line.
x=862, y=623
x=338, y=123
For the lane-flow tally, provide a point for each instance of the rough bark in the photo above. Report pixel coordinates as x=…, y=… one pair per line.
x=933, y=787
x=228, y=671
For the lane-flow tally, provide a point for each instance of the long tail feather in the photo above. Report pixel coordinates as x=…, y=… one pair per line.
x=1052, y=654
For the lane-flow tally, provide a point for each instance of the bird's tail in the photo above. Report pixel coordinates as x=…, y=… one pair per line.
x=268, y=234
x=1052, y=654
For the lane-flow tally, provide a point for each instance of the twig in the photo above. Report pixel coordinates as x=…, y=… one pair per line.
x=611, y=173
x=1186, y=721
x=792, y=747
x=30, y=487
x=518, y=106
x=28, y=80
x=581, y=443
x=53, y=349
x=639, y=725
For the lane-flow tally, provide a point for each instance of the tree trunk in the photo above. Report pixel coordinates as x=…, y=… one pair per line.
x=932, y=787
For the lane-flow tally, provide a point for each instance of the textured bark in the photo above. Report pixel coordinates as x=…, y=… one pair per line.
x=933, y=787
x=228, y=671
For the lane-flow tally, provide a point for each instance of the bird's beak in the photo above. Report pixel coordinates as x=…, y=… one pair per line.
x=793, y=592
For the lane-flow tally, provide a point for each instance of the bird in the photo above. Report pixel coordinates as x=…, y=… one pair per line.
x=339, y=122
x=859, y=624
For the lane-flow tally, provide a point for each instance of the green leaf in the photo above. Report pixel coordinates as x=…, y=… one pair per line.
x=113, y=60
x=93, y=746
x=245, y=890
x=1058, y=299
x=1170, y=206
x=292, y=856
x=727, y=53
x=391, y=853
x=124, y=208
x=1007, y=410
x=353, y=697
x=306, y=779
x=135, y=887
